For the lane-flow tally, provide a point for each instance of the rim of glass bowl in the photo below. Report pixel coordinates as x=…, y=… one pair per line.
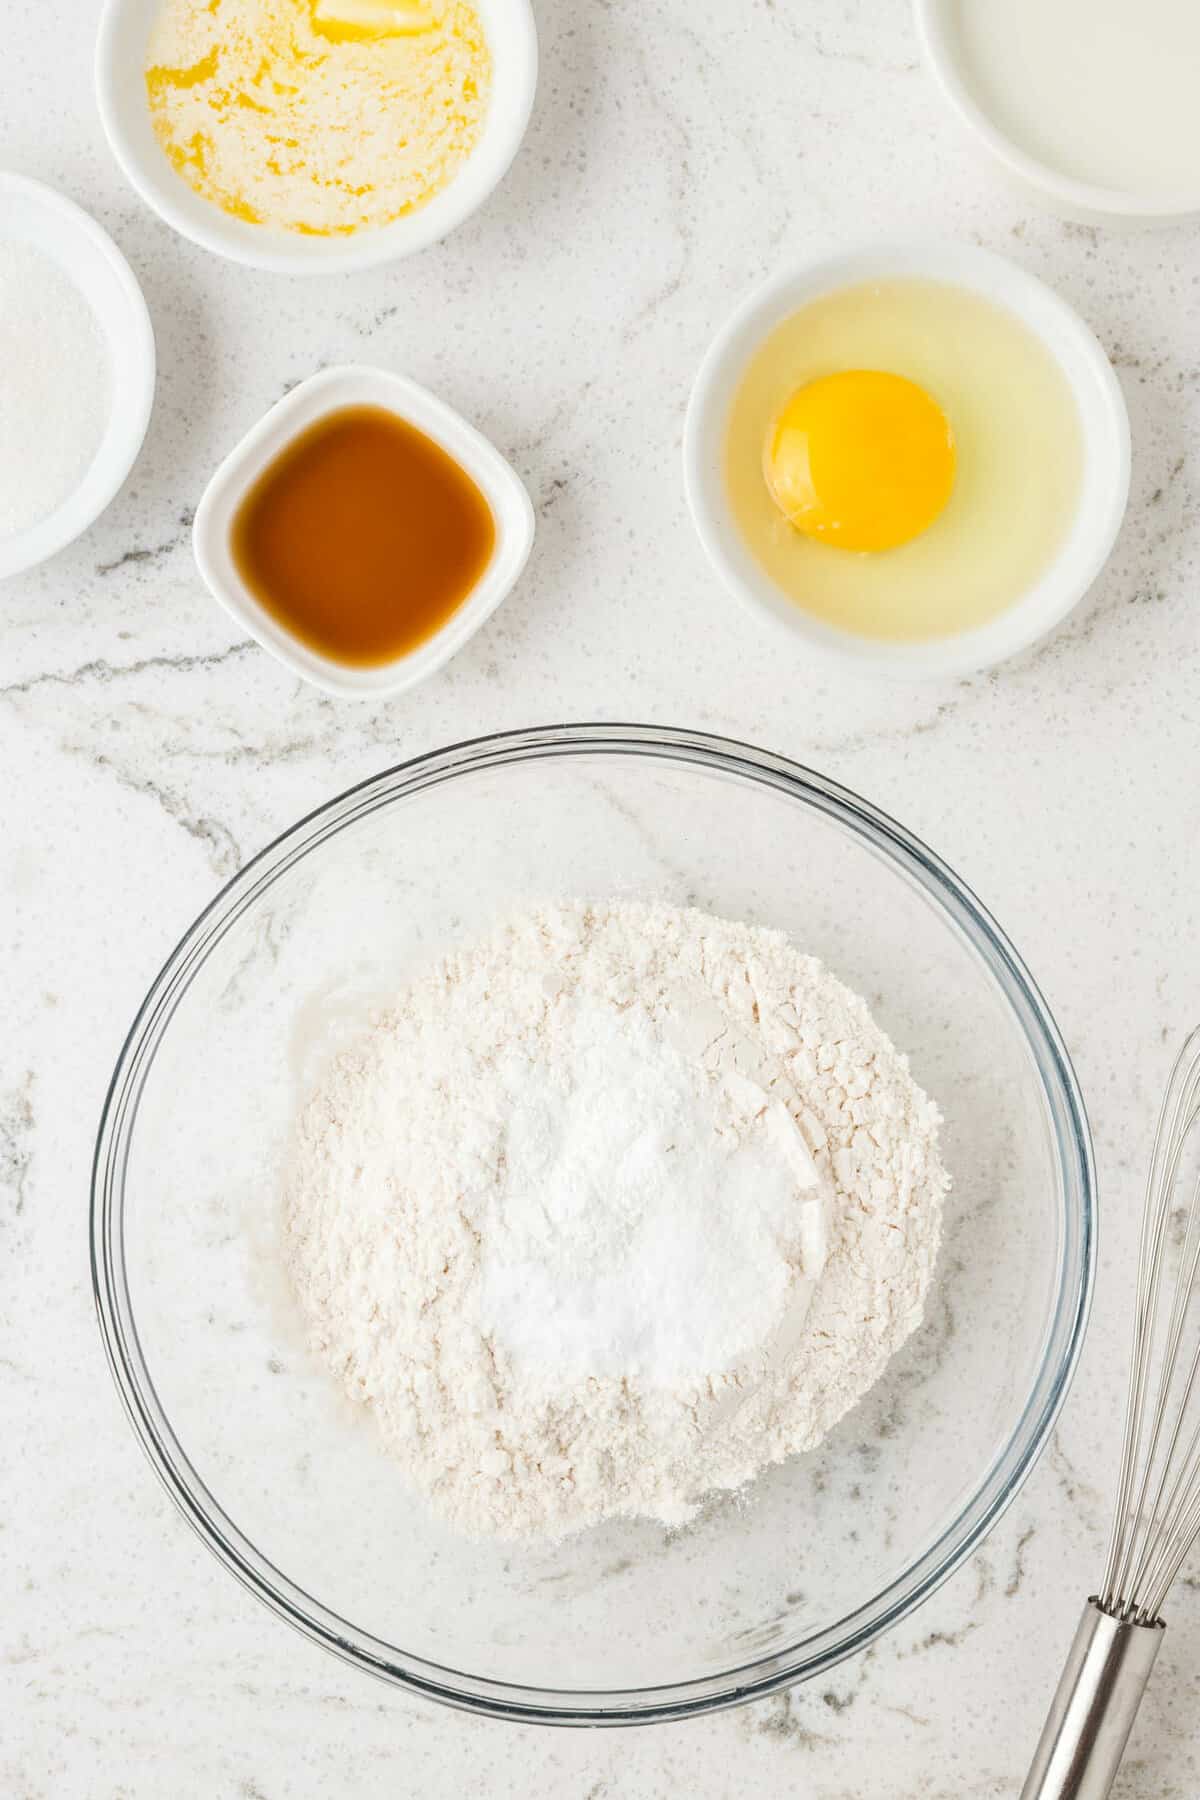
x=997, y=1484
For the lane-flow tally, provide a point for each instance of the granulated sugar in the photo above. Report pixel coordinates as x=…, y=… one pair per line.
x=55, y=386
x=615, y=1207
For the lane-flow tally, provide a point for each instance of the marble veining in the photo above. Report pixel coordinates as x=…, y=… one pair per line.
x=679, y=153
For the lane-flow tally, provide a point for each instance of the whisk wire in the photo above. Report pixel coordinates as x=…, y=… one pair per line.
x=1180, y=1539
x=1157, y=1516
x=1149, y=1542
x=1149, y=1255
x=1158, y=1513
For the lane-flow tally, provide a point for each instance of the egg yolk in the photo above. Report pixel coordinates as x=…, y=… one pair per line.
x=861, y=460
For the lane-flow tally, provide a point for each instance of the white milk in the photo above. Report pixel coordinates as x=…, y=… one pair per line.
x=1103, y=91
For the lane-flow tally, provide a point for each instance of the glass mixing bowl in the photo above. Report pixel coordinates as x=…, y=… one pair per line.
x=630, y=1621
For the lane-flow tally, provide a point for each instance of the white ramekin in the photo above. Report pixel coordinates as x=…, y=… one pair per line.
x=329, y=391
x=1104, y=488
x=125, y=113
x=1078, y=200
x=33, y=214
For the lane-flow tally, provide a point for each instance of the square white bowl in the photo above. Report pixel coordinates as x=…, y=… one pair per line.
x=314, y=399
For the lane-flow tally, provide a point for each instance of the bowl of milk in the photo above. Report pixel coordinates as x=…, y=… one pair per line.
x=1089, y=103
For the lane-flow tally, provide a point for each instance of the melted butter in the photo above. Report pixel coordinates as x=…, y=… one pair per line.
x=352, y=21
x=382, y=101
x=160, y=78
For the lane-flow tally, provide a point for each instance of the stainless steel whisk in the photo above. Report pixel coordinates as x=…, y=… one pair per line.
x=1157, y=1516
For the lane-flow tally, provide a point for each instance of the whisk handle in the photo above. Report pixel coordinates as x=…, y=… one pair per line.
x=1084, y=1737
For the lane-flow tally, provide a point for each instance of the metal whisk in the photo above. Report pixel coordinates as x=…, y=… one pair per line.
x=1157, y=1515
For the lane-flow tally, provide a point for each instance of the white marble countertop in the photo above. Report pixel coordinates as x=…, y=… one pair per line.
x=679, y=152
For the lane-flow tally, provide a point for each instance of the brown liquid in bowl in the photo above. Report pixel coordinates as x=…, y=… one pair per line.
x=363, y=536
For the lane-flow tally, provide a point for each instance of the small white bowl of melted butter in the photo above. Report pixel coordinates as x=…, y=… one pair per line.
x=315, y=136
x=915, y=458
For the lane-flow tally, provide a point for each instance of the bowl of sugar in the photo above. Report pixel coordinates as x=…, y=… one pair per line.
x=77, y=374
x=1088, y=104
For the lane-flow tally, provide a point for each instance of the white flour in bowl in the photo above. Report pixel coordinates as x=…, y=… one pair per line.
x=613, y=1208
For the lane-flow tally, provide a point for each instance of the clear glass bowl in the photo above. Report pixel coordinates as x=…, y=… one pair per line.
x=628, y=1622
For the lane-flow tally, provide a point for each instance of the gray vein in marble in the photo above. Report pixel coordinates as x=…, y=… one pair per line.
x=671, y=282
x=782, y=1717
x=857, y=1676
x=905, y=1712
x=944, y=1639
x=1078, y=1491
x=152, y=553
x=1173, y=474
x=744, y=135
x=812, y=39
x=282, y=1692
x=553, y=492
x=943, y=711
x=646, y=836
x=1152, y=369
x=790, y=1716
x=100, y=670
x=371, y=326
x=279, y=751
x=220, y=846
x=828, y=54
x=16, y=1141
x=1012, y=1586
x=560, y=416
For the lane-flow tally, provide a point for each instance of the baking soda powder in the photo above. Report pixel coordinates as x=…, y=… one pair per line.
x=615, y=1207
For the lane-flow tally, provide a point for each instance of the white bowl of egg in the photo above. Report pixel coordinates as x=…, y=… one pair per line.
x=915, y=458
x=315, y=136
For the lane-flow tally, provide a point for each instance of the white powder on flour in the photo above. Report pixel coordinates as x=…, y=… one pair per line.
x=615, y=1207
